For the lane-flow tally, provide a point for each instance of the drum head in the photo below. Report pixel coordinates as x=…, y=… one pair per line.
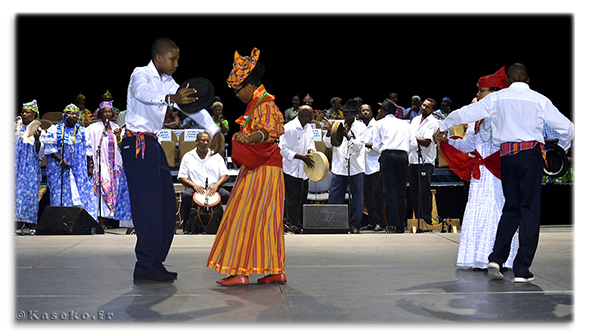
x=337, y=133
x=201, y=200
x=320, y=169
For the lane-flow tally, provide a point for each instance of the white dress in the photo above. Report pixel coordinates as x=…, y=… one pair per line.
x=484, y=204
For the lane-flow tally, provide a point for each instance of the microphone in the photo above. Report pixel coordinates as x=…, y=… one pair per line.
x=106, y=123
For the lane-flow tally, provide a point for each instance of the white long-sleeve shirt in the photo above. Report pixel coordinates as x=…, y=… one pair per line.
x=357, y=147
x=516, y=114
x=146, y=102
x=296, y=140
x=423, y=129
x=392, y=133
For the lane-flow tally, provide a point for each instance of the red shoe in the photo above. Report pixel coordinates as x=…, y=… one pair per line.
x=274, y=278
x=234, y=281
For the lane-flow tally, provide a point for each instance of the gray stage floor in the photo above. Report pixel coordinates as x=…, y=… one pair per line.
x=366, y=278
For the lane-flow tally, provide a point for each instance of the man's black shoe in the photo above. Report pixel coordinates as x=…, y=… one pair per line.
x=164, y=271
x=155, y=276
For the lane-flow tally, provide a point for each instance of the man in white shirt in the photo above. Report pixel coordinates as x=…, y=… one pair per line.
x=353, y=147
x=296, y=145
x=373, y=189
x=393, y=141
x=200, y=169
x=422, y=159
x=517, y=114
x=151, y=191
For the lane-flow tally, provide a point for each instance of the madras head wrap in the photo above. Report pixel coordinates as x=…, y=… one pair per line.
x=448, y=100
x=71, y=108
x=242, y=67
x=106, y=104
x=496, y=80
x=307, y=99
x=31, y=106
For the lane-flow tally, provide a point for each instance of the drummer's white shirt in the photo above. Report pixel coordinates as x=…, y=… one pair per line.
x=296, y=140
x=357, y=147
x=146, y=102
x=196, y=169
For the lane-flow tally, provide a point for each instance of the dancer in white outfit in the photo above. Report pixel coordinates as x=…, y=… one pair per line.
x=486, y=199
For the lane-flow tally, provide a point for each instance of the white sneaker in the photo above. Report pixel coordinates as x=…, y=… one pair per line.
x=529, y=278
x=494, y=271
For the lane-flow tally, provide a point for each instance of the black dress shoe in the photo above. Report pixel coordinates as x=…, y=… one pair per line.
x=164, y=271
x=155, y=276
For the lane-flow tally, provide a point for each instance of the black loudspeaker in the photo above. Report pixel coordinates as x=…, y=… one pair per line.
x=325, y=218
x=57, y=220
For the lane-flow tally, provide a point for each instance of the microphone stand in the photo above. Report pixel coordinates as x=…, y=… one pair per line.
x=350, y=198
x=98, y=152
x=420, y=163
x=61, y=193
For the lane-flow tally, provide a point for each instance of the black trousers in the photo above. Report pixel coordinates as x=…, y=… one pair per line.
x=414, y=172
x=373, y=196
x=295, y=196
x=153, y=202
x=394, y=168
x=522, y=174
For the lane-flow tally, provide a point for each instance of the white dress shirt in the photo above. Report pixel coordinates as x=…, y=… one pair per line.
x=424, y=129
x=146, y=102
x=196, y=169
x=392, y=133
x=516, y=114
x=371, y=155
x=357, y=151
x=296, y=140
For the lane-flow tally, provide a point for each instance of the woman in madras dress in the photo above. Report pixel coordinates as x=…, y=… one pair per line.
x=69, y=160
x=486, y=198
x=28, y=155
x=112, y=175
x=250, y=237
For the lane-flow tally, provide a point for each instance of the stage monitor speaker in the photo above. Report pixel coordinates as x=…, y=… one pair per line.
x=325, y=218
x=58, y=220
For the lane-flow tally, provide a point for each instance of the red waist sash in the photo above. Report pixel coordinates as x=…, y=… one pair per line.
x=464, y=165
x=255, y=155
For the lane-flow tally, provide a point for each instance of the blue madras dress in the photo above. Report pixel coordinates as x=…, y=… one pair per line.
x=77, y=185
x=27, y=175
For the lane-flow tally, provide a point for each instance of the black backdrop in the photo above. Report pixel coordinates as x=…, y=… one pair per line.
x=59, y=56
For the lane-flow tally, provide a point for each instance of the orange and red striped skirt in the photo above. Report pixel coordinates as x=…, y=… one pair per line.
x=250, y=237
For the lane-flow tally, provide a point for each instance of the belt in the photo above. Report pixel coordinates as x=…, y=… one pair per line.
x=139, y=140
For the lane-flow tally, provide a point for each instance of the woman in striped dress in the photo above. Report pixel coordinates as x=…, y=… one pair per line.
x=250, y=237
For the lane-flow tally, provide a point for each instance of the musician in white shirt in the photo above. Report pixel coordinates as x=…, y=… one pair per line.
x=422, y=158
x=296, y=146
x=353, y=146
x=393, y=141
x=373, y=188
x=517, y=114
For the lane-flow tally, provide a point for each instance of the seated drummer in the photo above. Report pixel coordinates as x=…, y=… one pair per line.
x=199, y=166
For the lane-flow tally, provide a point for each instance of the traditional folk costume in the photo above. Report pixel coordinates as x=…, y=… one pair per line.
x=112, y=180
x=250, y=237
x=27, y=170
x=486, y=199
x=516, y=115
x=73, y=145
